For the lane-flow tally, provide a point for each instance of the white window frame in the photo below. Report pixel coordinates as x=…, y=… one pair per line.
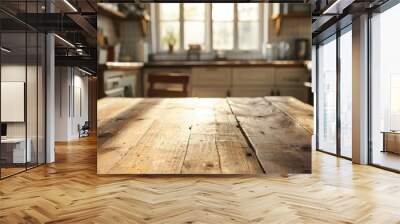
x=262, y=23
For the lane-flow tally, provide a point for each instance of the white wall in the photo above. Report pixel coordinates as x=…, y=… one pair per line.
x=71, y=96
x=61, y=103
x=15, y=73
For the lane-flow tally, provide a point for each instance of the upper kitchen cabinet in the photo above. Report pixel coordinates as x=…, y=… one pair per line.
x=290, y=9
x=281, y=12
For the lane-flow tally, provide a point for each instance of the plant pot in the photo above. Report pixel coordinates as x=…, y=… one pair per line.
x=170, y=48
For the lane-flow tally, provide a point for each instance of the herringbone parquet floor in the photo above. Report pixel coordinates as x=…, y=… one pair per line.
x=69, y=191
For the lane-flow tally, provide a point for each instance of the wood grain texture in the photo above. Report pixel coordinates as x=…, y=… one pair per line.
x=297, y=110
x=70, y=191
x=281, y=144
x=200, y=136
x=122, y=122
x=202, y=155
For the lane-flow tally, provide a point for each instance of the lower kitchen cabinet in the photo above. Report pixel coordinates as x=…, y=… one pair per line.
x=300, y=92
x=251, y=91
x=214, y=76
x=290, y=76
x=225, y=81
x=210, y=91
x=253, y=76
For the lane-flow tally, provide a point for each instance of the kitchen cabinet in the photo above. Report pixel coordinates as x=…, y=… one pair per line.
x=210, y=91
x=211, y=76
x=211, y=81
x=251, y=91
x=279, y=9
x=241, y=81
x=290, y=82
x=300, y=92
x=280, y=12
x=253, y=76
x=290, y=76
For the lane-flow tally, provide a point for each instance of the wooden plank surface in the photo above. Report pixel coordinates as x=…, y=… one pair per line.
x=200, y=136
x=202, y=155
x=120, y=131
x=161, y=150
x=235, y=154
x=300, y=112
x=216, y=145
x=281, y=144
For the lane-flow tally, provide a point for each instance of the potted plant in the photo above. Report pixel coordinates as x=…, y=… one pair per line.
x=170, y=39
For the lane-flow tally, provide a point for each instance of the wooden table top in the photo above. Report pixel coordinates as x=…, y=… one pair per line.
x=204, y=135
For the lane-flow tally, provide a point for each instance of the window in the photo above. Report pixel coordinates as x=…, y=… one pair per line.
x=385, y=89
x=216, y=26
x=248, y=26
x=194, y=24
x=346, y=94
x=334, y=116
x=169, y=25
x=223, y=25
x=327, y=96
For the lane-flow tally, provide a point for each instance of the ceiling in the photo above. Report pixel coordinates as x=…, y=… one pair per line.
x=73, y=20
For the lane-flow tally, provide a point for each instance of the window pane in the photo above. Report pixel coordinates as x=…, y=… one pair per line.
x=222, y=11
x=223, y=35
x=247, y=11
x=327, y=97
x=194, y=11
x=13, y=85
x=248, y=35
x=385, y=88
x=169, y=11
x=194, y=34
x=346, y=94
x=169, y=34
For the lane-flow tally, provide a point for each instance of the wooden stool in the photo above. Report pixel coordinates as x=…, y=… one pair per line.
x=170, y=78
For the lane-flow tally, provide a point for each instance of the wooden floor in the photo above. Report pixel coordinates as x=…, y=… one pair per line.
x=5, y=172
x=204, y=136
x=70, y=191
x=386, y=159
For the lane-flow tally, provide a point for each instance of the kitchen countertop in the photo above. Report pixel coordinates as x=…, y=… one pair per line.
x=235, y=63
x=122, y=65
x=288, y=63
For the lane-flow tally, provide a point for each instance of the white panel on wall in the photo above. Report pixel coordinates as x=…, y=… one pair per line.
x=12, y=101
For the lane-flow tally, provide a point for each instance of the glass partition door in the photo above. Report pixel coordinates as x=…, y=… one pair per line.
x=22, y=101
x=14, y=145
